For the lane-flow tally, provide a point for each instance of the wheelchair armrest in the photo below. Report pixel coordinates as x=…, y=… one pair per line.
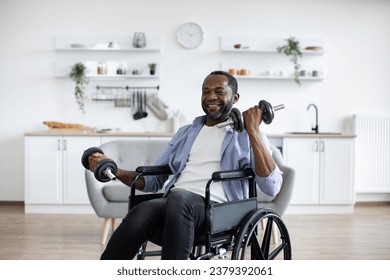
x=154, y=170
x=229, y=175
x=232, y=175
x=146, y=171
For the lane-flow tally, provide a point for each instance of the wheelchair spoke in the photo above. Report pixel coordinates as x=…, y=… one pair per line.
x=277, y=251
x=267, y=238
x=256, y=252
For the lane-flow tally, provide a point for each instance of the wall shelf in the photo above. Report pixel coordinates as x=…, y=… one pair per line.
x=304, y=52
x=259, y=56
x=114, y=77
x=90, y=43
x=111, y=51
x=249, y=77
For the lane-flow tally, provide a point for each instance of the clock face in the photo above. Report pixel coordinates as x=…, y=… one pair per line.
x=190, y=35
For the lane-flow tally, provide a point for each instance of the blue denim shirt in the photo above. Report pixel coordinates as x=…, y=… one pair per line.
x=236, y=154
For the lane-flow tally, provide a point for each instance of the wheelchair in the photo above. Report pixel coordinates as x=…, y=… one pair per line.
x=237, y=230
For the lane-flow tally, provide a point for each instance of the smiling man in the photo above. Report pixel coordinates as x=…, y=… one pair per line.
x=194, y=153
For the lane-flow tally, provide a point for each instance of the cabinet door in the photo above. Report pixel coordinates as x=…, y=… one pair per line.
x=74, y=187
x=303, y=156
x=43, y=170
x=337, y=171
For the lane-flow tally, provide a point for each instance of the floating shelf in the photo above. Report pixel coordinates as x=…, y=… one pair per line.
x=267, y=44
x=278, y=78
x=102, y=44
x=112, y=52
x=259, y=57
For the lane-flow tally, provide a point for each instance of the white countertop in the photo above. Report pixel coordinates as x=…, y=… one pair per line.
x=74, y=132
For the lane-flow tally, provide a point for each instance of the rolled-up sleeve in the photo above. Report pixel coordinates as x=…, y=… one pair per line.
x=271, y=184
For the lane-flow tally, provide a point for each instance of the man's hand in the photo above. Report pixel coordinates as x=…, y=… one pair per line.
x=94, y=159
x=252, y=119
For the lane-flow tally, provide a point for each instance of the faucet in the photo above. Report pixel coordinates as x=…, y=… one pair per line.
x=315, y=128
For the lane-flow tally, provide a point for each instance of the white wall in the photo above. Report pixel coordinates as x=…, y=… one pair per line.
x=357, y=61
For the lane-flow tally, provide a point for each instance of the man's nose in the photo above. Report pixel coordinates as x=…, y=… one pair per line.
x=212, y=95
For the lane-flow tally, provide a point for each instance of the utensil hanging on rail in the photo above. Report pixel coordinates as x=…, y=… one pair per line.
x=141, y=105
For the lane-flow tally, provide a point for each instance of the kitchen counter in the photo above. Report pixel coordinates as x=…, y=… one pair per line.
x=74, y=132
x=311, y=135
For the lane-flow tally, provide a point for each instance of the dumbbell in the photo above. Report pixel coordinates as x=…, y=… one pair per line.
x=235, y=120
x=105, y=170
x=268, y=110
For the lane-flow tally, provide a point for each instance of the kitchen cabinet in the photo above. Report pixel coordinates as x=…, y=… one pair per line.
x=324, y=170
x=54, y=176
x=259, y=57
x=106, y=56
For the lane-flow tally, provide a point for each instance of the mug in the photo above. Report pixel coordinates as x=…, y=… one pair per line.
x=233, y=71
x=244, y=72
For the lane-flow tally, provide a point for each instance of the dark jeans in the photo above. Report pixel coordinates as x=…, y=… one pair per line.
x=171, y=222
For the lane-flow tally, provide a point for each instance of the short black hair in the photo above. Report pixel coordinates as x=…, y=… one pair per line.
x=232, y=82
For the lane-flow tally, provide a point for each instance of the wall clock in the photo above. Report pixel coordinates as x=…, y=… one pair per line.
x=190, y=35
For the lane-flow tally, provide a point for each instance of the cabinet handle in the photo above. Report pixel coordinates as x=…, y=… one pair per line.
x=316, y=146
x=322, y=146
x=58, y=145
x=64, y=144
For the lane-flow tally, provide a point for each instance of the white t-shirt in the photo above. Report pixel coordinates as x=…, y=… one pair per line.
x=204, y=159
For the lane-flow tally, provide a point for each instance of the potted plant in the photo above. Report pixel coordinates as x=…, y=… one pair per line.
x=293, y=49
x=78, y=75
x=152, y=68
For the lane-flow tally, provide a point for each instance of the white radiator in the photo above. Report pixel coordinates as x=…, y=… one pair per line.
x=372, y=153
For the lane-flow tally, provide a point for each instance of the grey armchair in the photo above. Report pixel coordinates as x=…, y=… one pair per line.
x=280, y=202
x=110, y=200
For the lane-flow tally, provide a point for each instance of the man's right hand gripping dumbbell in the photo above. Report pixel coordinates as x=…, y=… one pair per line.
x=104, y=169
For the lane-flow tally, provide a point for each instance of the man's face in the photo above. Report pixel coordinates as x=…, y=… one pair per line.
x=217, y=98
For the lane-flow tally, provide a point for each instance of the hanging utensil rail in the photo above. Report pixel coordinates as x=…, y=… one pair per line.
x=119, y=94
x=127, y=87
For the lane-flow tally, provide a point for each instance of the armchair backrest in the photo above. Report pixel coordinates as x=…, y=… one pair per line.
x=131, y=154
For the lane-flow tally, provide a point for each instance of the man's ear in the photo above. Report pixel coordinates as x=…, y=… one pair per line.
x=235, y=98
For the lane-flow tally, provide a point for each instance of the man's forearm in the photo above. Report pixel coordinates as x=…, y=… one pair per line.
x=126, y=178
x=264, y=163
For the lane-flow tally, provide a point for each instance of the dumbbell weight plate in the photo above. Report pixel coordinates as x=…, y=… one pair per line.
x=237, y=124
x=101, y=168
x=268, y=111
x=87, y=153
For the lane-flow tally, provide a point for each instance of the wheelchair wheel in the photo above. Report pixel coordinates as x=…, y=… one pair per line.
x=255, y=243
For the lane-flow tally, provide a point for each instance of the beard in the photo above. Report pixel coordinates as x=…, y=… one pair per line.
x=221, y=114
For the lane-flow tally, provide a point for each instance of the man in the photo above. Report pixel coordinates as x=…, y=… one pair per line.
x=193, y=154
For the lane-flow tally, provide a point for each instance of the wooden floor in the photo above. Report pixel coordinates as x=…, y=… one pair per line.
x=364, y=235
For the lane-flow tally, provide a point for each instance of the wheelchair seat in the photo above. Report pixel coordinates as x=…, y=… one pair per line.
x=231, y=227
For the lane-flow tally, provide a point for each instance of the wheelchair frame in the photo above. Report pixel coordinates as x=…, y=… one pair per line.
x=231, y=226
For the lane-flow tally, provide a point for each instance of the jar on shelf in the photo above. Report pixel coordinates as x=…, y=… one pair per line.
x=139, y=40
x=102, y=68
x=121, y=69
